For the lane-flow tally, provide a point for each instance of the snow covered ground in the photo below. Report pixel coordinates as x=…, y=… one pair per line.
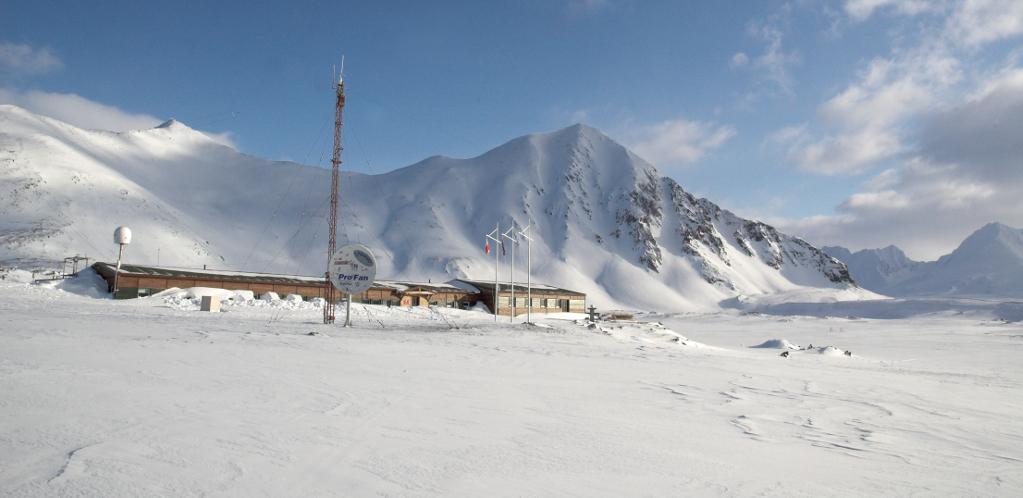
x=150, y=397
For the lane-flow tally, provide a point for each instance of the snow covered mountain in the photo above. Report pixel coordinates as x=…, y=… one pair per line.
x=876, y=269
x=988, y=263
x=604, y=220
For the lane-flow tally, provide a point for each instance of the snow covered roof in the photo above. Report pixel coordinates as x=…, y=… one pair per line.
x=242, y=276
x=483, y=285
x=164, y=271
x=429, y=286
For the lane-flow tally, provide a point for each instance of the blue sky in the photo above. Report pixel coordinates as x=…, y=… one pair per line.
x=808, y=114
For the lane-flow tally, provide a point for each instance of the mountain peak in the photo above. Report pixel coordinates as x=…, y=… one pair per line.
x=580, y=130
x=996, y=228
x=993, y=235
x=171, y=124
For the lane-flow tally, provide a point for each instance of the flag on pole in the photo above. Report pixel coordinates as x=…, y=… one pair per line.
x=502, y=249
x=486, y=248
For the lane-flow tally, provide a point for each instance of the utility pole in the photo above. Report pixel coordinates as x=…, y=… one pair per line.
x=529, y=270
x=335, y=178
x=122, y=237
x=496, y=237
x=511, y=274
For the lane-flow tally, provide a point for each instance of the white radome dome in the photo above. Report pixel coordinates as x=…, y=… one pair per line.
x=122, y=235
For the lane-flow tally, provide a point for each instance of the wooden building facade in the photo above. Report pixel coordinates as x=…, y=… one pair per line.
x=545, y=298
x=140, y=281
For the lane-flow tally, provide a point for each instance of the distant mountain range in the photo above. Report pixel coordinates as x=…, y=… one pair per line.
x=987, y=264
x=604, y=221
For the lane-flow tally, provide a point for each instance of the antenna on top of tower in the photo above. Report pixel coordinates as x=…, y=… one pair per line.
x=339, y=76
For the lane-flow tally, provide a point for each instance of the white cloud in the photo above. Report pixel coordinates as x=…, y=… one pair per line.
x=579, y=116
x=883, y=180
x=860, y=10
x=78, y=110
x=740, y=59
x=962, y=171
x=885, y=199
x=937, y=114
x=867, y=122
x=85, y=113
x=976, y=22
x=775, y=61
x=18, y=58
x=678, y=142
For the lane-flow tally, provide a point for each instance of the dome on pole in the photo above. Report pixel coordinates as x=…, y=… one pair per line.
x=122, y=235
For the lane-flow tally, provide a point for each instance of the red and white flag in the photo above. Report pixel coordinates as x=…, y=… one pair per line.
x=486, y=248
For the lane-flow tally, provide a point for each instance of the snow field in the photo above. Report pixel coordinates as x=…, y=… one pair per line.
x=129, y=398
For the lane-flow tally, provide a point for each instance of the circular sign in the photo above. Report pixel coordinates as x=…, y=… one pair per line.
x=353, y=268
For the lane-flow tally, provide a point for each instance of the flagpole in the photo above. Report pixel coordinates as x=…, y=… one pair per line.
x=511, y=278
x=497, y=270
x=496, y=237
x=529, y=271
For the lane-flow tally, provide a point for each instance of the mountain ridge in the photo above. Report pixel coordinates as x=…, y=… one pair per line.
x=605, y=220
x=987, y=263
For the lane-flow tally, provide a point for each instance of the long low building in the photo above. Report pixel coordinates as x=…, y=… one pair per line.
x=140, y=281
x=545, y=298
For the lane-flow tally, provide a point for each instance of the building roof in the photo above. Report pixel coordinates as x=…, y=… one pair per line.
x=403, y=286
x=268, y=278
x=237, y=276
x=488, y=286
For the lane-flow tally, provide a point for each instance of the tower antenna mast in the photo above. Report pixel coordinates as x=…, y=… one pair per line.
x=330, y=294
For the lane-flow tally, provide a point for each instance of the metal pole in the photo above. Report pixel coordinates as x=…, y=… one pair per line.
x=496, y=237
x=120, y=252
x=529, y=271
x=511, y=278
x=513, y=303
x=497, y=270
x=348, y=312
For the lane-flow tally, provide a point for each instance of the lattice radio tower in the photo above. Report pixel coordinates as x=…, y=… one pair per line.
x=330, y=293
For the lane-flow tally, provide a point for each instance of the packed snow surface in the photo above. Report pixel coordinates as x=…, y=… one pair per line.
x=144, y=398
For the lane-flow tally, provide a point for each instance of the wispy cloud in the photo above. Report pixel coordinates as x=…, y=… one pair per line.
x=85, y=113
x=961, y=172
x=937, y=114
x=861, y=10
x=21, y=59
x=776, y=61
x=740, y=59
x=78, y=110
x=678, y=142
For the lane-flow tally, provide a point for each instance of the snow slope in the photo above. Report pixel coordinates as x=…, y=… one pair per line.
x=987, y=264
x=137, y=398
x=605, y=221
x=875, y=269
